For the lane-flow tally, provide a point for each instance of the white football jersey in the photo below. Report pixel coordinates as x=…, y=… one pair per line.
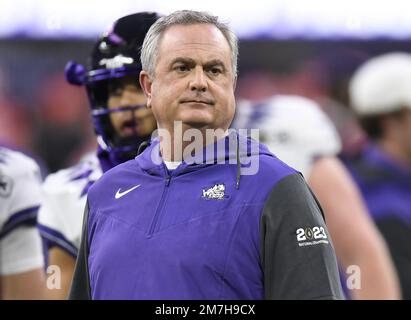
x=64, y=198
x=20, y=197
x=294, y=128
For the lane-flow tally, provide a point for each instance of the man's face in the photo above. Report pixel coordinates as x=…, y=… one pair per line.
x=194, y=81
x=126, y=92
x=404, y=132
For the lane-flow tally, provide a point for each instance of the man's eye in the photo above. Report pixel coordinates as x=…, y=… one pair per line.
x=182, y=68
x=215, y=71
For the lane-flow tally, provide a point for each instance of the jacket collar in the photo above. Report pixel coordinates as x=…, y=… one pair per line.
x=233, y=149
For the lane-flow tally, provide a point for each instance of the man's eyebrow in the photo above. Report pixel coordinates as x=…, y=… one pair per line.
x=188, y=61
x=215, y=62
x=192, y=62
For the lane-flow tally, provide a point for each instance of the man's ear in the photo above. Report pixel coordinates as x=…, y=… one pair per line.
x=146, y=83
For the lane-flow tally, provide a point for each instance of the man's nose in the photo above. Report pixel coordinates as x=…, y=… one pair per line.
x=198, y=81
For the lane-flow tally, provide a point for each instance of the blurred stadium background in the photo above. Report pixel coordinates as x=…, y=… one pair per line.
x=308, y=48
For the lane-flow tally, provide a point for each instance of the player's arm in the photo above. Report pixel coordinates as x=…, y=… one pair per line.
x=23, y=286
x=22, y=274
x=58, y=242
x=356, y=240
x=21, y=256
x=64, y=263
x=297, y=256
x=61, y=255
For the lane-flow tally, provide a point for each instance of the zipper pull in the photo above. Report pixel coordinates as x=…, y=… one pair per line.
x=168, y=178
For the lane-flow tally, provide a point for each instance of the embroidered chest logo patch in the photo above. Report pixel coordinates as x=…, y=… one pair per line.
x=217, y=192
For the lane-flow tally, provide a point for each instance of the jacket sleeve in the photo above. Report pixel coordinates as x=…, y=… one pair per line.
x=80, y=286
x=297, y=255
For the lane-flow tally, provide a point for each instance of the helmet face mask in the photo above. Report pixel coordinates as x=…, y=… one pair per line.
x=122, y=118
x=114, y=64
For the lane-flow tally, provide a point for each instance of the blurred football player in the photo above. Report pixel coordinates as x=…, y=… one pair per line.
x=21, y=257
x=299, y=133
x=380, y=93
x=122, y=123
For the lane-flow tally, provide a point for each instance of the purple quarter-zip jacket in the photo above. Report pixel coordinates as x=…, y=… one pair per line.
x=205, y=230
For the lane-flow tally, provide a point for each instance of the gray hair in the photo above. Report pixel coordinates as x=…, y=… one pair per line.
x=184, y=17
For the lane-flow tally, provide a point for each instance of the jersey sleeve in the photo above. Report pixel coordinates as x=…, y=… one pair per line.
x=23, y=199
x=21, y=251
x=297, y=255
x=20, y=246
x=56, y=223
x=64, y=199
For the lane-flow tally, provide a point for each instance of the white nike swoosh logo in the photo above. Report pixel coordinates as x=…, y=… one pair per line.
x=120, y=194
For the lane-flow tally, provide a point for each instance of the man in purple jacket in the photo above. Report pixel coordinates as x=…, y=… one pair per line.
x=226, y=220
